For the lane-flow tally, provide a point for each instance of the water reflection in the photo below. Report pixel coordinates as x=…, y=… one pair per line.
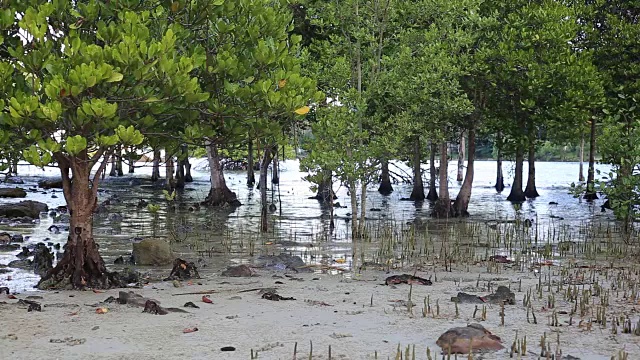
x=300, y=224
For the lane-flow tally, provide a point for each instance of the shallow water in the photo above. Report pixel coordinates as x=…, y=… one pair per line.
x=228, y=235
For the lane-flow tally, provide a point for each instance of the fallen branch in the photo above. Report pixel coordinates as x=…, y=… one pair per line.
x=203, y=292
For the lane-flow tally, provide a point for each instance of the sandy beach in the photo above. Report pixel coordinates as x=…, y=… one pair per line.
x=330, y=311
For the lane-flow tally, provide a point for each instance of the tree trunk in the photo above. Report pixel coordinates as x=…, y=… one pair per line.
x=433, y=193
x=461, y=148
x=516, y=194
x=267, y=157
x=499, y=175
x=119, y=162
x=180, y=180
x=530, y=191
x=81, y=266
x=155, y=172
x=363, y=208
x=385, y=180
x=114, y=166
x=219, y=194
x=418, y=188
x=354, y=209
x=14, y=163
x=275, y=171
x=187, y=165
x=168, y=163
x=461, y=204
x=132, y=161
x=251, y=177
x=325, y=188
x=442, y=207
x=581, y=156
x=590, y=193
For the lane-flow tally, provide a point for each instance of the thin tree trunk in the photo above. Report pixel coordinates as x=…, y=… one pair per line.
x=354, y=209
x=418, y=188
x=433, y=193
x=168, y=163
x=180, y=180
x=461, y=149
x=530, y=191
x=442, y=207
x=219, y=194
x=581, y=156
x=251, y=177
x=499, y=174
x=114, y=166
x=275, y=171
x=132, y=161
x=363, y=208
x=385, y=180
x=461, y=204
x=81, y=266
x=516, y=194
x=155, y=172
x=267, y=157
x=187, y=165
x=590, y=194
x=119, y=162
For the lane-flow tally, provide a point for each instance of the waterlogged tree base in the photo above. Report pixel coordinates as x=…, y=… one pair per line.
x=63, y=281
x=385, y=188
x=221, y=197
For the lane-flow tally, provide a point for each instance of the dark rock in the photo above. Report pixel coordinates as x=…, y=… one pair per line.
x=152, y=307
x=54, y=229
x=25, y=253
x=284, y=261
x=553, y=203
x=50, y=184
x=119, y=260
x=183, y=270
x=12, y=193
x=25, y=264
x=227, y=348
x=191, y=305
x=464, y=298
x=4, y=289
x=142, y=203
x=14, y=180
x=9, y=247
x=4, y=270
x=239, y=271
x=152, y=251
x=375, y=210
x=42, y=259
x=17, y=238
x=275, y=297
x=502, y=296
x=462, y=340
x=128, y=276
x=5, y=238
x=27, y=208
x=406, y=279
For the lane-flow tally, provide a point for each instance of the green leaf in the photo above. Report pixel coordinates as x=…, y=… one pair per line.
x=75, y=144
x=115, y=77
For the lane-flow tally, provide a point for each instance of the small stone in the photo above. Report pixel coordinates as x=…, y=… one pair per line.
x=227, y=348
x=95, y=327
x=177, y=284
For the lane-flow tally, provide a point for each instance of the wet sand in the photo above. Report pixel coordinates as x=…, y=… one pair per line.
x=330, y=310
